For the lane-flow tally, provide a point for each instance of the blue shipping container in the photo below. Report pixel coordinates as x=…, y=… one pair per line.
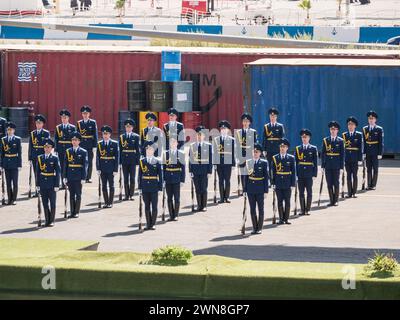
x=170, y=66
x=310, y=93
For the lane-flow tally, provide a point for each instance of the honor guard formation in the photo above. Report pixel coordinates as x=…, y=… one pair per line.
x=66, y=163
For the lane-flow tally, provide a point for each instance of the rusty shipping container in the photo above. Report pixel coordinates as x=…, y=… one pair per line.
x=45, y=79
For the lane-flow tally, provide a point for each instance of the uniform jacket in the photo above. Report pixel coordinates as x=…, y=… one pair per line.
x=3, y=123
x=11, y=153
x=283, y=171
x=88, y=132
x=36, y=143
x=224, y=151
x=257, y=180
x=373, y=141
x=62, y=137
x=107, y=158
x=177, y=130
x=200, y=159
x=129, y=149
x=150, y=175
x=48, y=173
x=272, y=137
x=332, y=155
x=306, y=161
x=174, y=167
x=76, y=164
x=353, y=146
x=154, y=134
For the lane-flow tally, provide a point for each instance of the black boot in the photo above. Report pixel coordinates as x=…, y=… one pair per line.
x=14, y=195
x=72, y=208
x=199, y=202
x=111, y=199
x=227, y=194
x=204, y=200
x=287, y=213
x=369, y=181
x=171, y=210
x=221, y=193
x=105, y=197
x=374, y=180
x=336, y=197
x=132, y=190
x=254, y=223
x=126, y=189
x=77, y=208
x=355, y=187
x=302, y=206
x=280, y=211
x=46, y=217
x=148, y=220
x=331, y=197
x=308, y=205
x=52, y=217
x=349, y=189
x=260, y=225
x=176, y=210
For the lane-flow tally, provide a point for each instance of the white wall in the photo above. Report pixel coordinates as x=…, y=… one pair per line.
x=9, y=5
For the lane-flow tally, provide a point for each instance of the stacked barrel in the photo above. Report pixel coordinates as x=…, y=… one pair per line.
x=20, y=116
x=158, y=96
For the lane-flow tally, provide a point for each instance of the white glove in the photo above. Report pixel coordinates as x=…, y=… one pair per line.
x=98, y=172
x=323, y=170
x=379, y=157
x=1, y=169
x=314, y=178
x=37, y=189
x=245, y=194
x=292, y=188
x=140, y=191
x=56, y=189
x=83, y=181
x=182, y=184
x=191, y=175
x=215, y=167
x=360, y=163
x=115, y=173
x=19, y=169
x=208, y=176
x=30, y=162
x=65, y=180
x=341, y=172
x=363, y=156
x=273, y=187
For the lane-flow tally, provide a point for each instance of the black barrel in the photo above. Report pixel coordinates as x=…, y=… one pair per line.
x=126, y=114
x=195, y=78
x=160, y=96
x=20, y=116
x=137, y=95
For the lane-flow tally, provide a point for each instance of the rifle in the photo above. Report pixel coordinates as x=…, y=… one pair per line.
x=65, y=201
x=295, y=200
x=320, y=188
x=3, y=195
x=120, y=183
x=274, y=206
x=364, y=175
x=343, y=185
x=244, y=213
x=163, y=204
x=39, y=210
x=99, y=193
x=238, y=180
x=140, y=211
x=30, y=180
x=192, y=192
x=215, y=185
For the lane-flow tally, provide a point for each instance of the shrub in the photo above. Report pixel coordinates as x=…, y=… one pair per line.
x=171, y=255
x=382, y=263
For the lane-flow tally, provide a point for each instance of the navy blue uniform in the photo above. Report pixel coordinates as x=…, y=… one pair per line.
x=88, y=131
x=353, y=144
x=150, y=182
x=273, y=133
x=154, y=135
x=37, y=139
x=284, y=178
x=174, y=175
x=11, y=161
x=107, y=161
x=224, y=159
x=256, y=185
x=245, y=140
x=75, y=171
x=62, y=141
x=332, y=160
x=306, y=169
x=129, y=158
x=47, y=179
x=3, y=123
x=177, y=130
x=373, y=147
x=200, y=166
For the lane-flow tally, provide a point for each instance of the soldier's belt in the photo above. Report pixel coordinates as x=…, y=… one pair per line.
x=52, y=174
x=256, y=179
x=203, y=160
x=352, y=149
x=128, y=150
x=87, y=137
x=107, y=158
x=224, y=152
x=284, y=173
x=333, y=154
x=173, y=169
x=306, y=163
x=65, y=142
x=38, y=147
x=150, y=177
x=245, y=147
x=12, y=155
x=75, y=165
x=372, y=142
x=273, y=139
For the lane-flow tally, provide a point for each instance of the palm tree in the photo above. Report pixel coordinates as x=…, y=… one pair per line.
x=306, y=5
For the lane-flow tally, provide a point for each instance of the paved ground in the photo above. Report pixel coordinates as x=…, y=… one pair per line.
x=348, y=233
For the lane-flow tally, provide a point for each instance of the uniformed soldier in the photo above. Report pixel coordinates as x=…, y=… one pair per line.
x=88, y=129
x=11, y=161
x=200, y=167
x=48, y=181
x=75, y=173
x=62, y=138
x=224, y=159
x=373, y=148
x=150, y=183
x=306, y=156
x=129, y=147
x=283, y=179
x=353, y=144
x=37, y=139
x=3, y=123
x=273, y=133
x=153, y=134
x=174, y=176
x=256, y=187
x=332, y=161
x=174, y=128
x=246, y=138
x=107, y=161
